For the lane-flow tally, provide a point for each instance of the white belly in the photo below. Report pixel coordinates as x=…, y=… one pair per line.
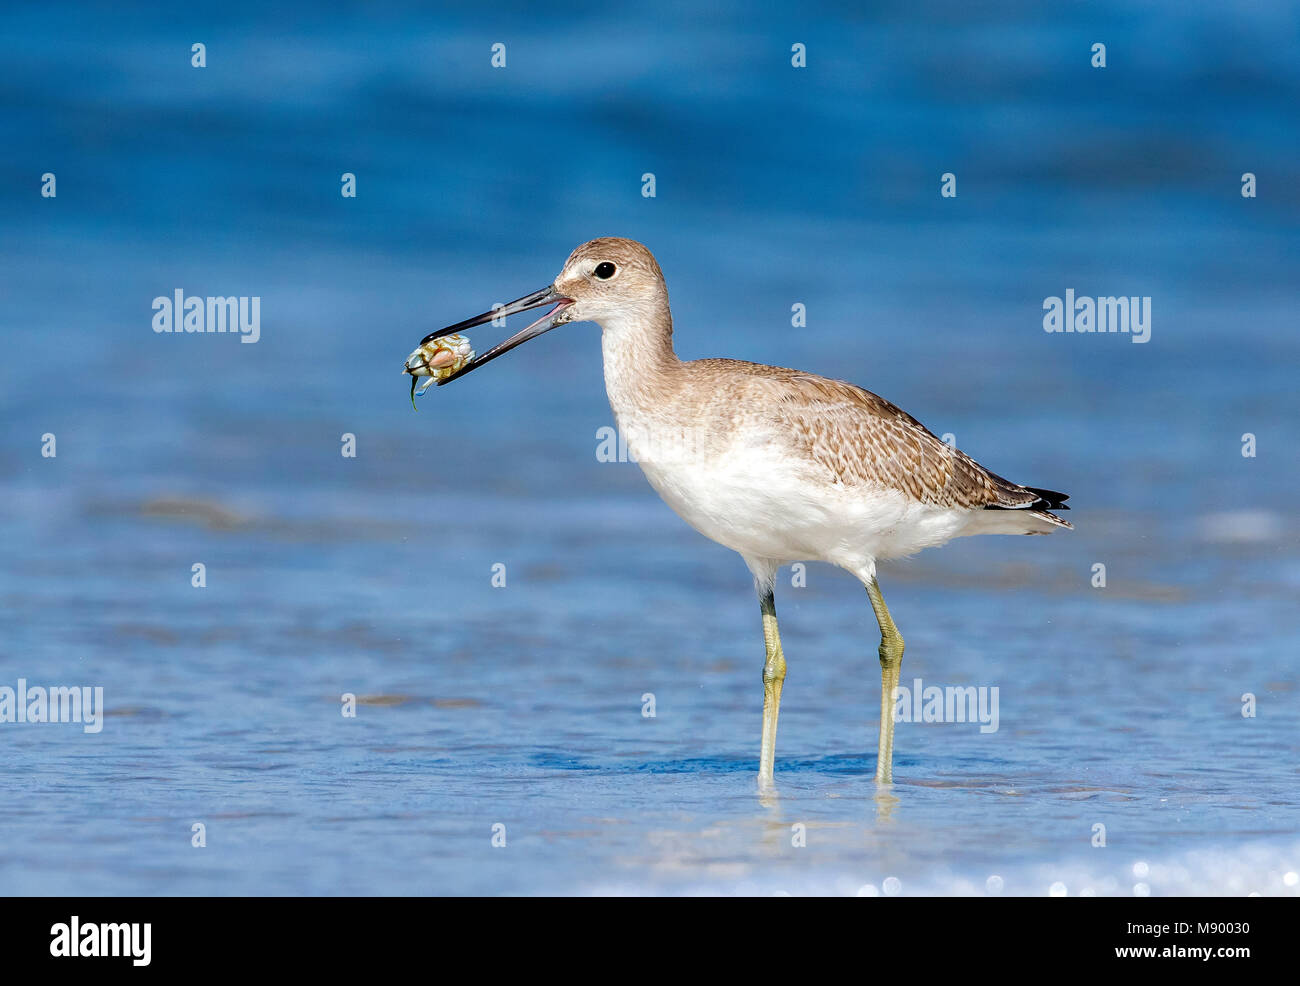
x=752, y=498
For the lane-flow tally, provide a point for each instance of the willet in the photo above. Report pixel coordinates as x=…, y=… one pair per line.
x=778, y=465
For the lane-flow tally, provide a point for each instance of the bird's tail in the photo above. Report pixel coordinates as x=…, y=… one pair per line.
x=1048, y=499
x=1031, y=515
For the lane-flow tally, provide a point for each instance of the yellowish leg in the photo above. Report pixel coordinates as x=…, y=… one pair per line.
x=891, y=660
x=773, y=678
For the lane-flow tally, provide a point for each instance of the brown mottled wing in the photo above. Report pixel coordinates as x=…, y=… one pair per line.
x=863, y=439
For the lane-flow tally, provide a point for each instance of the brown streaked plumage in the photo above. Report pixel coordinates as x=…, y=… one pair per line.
x=777, y=464
x=859, y=438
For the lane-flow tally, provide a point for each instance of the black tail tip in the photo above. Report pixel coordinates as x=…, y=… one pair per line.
x=1048, y=499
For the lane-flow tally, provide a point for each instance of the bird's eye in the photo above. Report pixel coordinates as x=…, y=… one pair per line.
x=605, y=270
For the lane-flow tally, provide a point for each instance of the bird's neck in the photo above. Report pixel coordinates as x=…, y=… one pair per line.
x=640, y=365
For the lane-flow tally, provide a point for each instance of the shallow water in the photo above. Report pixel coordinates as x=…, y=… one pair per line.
x=521, y=705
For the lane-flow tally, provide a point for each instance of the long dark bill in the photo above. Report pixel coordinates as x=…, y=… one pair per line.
x=546, y=296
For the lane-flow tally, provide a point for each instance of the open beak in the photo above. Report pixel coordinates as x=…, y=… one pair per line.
x=538, y=299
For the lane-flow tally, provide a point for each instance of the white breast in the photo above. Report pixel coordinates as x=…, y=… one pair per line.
x=748, y=494
x=733, y=478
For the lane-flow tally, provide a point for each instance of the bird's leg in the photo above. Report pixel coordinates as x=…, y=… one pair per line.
x=773, y=677
x=891, y=660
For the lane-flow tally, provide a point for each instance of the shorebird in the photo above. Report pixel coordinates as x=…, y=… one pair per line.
x=778, y=465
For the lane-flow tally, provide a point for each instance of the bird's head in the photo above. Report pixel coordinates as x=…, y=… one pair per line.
x=610, y=280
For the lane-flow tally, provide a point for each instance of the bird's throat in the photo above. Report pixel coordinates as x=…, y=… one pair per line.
x=640, y=365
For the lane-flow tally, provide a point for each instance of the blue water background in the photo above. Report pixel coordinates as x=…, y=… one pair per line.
x=522, y=706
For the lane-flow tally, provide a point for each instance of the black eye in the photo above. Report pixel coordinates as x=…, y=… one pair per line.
x=604, y=270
